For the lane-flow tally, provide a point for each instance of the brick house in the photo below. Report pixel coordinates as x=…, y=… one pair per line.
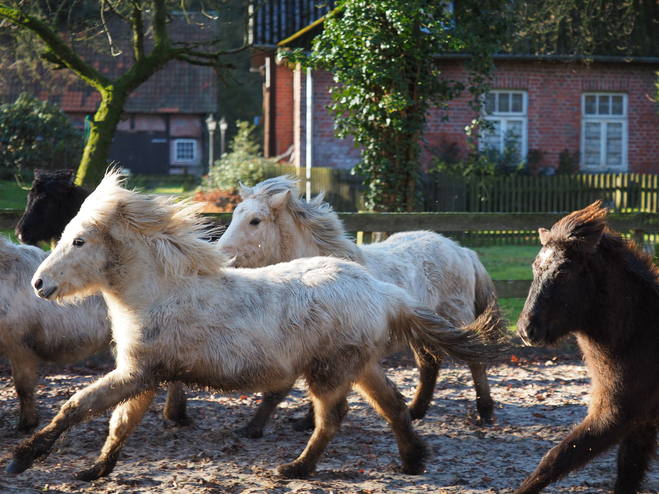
x=163, y=130
x=604, y=111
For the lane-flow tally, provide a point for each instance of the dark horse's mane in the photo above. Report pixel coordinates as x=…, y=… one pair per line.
x=591, y=221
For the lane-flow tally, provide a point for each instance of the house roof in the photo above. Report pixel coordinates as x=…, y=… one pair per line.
x=177, y=88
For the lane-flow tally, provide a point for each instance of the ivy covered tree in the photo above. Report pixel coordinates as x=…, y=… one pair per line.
x=34, y=134
x=61, y=31
x=382, y=54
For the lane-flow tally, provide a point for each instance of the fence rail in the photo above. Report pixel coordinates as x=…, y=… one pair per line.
x=447, y=193
x=638, y=224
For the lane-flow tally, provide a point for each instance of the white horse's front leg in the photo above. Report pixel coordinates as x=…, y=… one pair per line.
x=107, y=392
x=122, y=424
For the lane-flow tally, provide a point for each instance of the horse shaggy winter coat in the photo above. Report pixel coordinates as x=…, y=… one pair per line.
x=590, y=281
x=179, y=314
x=274, y=225
x=33, y=331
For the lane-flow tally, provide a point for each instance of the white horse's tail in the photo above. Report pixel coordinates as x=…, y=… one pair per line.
x=426, y=332
x=485, y=292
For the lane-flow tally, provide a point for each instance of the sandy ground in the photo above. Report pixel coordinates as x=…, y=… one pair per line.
x=539, y=399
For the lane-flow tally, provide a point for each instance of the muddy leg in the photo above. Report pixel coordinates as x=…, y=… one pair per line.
x=122, y=424
x=634, y=455
x=588, y=440
x=269, y=401
x=428, y=370
x=25, y=375
x=96, y=398
x=330, y=407
x=484, y=401
x=176, y=405
x=383, y=395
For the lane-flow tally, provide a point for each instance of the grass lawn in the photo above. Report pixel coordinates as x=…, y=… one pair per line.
x=12, y=196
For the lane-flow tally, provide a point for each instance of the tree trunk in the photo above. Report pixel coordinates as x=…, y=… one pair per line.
x=94, y=161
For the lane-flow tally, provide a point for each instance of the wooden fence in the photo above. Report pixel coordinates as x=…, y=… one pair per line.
x=450, y=194
x=635, y=224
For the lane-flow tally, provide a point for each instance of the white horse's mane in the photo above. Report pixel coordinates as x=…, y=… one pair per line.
x=316, y=216
x=175, y=229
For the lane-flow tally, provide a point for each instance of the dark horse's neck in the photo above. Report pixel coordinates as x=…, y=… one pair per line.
x=627, y=291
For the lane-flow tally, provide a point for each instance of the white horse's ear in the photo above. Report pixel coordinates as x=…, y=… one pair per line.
x=244, y=191
x=280, y=200
x=545, y=235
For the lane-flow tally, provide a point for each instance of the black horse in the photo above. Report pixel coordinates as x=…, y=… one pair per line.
x=592, y=282
x=53, y=201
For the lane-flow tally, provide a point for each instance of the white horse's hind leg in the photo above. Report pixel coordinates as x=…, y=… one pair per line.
x=484, y=401
x=429, y=366
x=176, y=405
x=24, y=371
x=331, y=407
x=269, y=401
x=383, y=395
x=107, y=392
x=122, y=424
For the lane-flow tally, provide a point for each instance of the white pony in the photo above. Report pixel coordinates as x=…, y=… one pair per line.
x=274, y=225
x=178, y=314
x=34, y=331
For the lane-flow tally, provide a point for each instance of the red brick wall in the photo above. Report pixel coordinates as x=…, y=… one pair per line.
x=284, y=109
x=554, y=110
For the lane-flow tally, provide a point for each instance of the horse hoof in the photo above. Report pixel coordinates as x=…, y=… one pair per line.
x=249, y=433
x=89, y=475
x=15, y=468
x=293, y=470
x=416, y=414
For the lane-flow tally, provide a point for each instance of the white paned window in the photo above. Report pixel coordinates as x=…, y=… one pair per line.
x=604, y=132
x=185, y=150
x=508, y=113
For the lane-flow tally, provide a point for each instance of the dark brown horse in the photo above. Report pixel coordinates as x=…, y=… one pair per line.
x=591, y=282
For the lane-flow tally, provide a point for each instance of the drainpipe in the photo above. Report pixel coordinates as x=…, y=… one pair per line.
x=309, y=152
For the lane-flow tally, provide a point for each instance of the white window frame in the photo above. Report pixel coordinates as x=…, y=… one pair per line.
x=505, y=117
x=195, y=151
x=604, y=120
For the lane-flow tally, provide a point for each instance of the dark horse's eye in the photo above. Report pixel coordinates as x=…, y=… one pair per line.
x=255, y=221
x=78, y=242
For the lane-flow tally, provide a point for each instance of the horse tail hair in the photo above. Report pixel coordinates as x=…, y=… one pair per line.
x=484, y=290
x=483, y=341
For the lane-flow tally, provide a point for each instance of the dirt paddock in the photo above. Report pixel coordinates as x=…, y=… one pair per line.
x=539, y=399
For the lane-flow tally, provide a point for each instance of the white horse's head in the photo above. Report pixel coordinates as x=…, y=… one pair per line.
x=261, y=223
x=118, y=234
x=273, y=224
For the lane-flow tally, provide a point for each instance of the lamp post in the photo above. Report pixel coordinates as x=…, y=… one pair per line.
x=223, y=129
x=211, y=124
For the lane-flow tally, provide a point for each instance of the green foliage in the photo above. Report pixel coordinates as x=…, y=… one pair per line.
x=34, y=134
x=381, y=54
x=243, y=164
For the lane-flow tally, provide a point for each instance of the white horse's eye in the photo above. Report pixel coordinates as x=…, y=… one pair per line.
x=255, y=221
x=78, y=242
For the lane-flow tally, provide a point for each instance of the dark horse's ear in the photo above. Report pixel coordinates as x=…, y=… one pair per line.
x=72, y=176
x=545, y=235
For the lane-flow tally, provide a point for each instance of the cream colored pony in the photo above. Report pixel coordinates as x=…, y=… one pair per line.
x=178, y=314
x=273, y=225
x=34, y=331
